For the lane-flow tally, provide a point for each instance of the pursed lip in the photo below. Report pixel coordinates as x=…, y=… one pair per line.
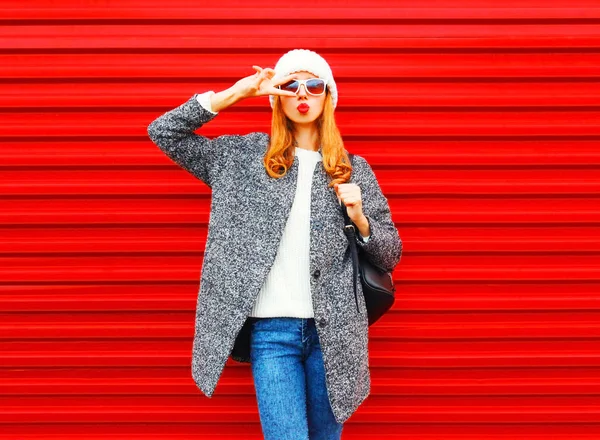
x=303, y=106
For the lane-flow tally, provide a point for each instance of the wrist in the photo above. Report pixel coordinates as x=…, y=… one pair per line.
x=236, y=93
x=224, y=98
x=363, y=226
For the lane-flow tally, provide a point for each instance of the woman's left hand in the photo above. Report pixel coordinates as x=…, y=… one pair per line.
x=350, y=194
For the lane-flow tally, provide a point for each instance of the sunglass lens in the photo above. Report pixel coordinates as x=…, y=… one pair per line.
x=315, y=86
x=290, y=86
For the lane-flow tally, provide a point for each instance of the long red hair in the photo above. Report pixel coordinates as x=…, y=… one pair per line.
x=279, y=156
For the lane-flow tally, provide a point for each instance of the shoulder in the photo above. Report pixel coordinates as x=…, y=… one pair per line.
x=358, y=160
x=256, y=142
x=244, y=147
x=361, y=169
x=255, y=137
x=258, y=138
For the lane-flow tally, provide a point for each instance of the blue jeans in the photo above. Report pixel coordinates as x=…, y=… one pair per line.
x=289, y=379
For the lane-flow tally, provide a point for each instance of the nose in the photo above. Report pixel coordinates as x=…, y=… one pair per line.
x=302, y=90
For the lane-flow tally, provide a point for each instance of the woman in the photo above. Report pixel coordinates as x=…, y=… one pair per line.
x=276, y=284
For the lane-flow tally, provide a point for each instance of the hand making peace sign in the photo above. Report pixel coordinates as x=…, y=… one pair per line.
x=261, y=84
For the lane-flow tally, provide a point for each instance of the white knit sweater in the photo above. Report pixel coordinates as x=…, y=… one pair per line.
x=286, y=290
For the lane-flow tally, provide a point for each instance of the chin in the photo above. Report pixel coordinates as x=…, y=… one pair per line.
x=304, y=121
x=296, y=117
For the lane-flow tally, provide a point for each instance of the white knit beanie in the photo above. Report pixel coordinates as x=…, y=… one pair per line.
x=297, y=60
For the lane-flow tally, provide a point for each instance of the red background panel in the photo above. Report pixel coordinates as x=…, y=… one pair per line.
x=482, y=123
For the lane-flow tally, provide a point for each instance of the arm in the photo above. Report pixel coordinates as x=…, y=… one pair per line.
x=205, y=158
x=173, y=133
x=384, y=246
x=204, y=100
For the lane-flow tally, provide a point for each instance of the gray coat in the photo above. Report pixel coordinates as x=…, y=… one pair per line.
x=248, y=214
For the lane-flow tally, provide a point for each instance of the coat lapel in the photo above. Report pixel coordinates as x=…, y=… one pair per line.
x=327, y=238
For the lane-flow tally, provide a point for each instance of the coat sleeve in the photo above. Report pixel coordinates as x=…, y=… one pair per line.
x=384, y=247
x=173, y=133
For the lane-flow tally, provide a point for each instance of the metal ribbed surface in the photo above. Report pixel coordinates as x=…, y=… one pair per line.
x=482, y=123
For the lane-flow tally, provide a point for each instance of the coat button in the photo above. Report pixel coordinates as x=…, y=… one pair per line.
x=322, y=322
x=316, y=273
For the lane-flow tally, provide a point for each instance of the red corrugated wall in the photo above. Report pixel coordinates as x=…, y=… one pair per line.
x=482, y=122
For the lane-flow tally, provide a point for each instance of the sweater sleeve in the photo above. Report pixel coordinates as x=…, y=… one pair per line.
x=174, y=133
x=204, y=100
x=384, y=246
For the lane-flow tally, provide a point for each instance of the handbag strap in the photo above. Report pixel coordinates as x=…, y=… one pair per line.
x=350, y=232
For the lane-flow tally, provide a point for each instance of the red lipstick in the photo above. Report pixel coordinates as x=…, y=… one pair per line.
x=303, y=108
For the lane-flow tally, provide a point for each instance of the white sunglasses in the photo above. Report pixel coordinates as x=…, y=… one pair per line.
x=313, y=86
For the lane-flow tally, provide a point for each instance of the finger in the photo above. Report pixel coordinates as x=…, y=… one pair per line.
x=343, y=188
x=285, y=79
x=350, y=195
x=281, y=92
x=266, y=74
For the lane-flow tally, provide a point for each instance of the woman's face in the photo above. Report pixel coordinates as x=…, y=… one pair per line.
x=315, y=103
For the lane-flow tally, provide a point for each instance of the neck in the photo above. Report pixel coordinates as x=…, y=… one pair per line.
x=307, y=137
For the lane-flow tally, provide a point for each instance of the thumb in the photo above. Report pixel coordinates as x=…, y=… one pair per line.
x=336, y=187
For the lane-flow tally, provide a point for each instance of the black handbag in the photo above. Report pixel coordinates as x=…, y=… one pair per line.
x=377, y=283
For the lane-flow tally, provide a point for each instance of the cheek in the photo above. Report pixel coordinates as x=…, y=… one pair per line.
x=288, y=104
